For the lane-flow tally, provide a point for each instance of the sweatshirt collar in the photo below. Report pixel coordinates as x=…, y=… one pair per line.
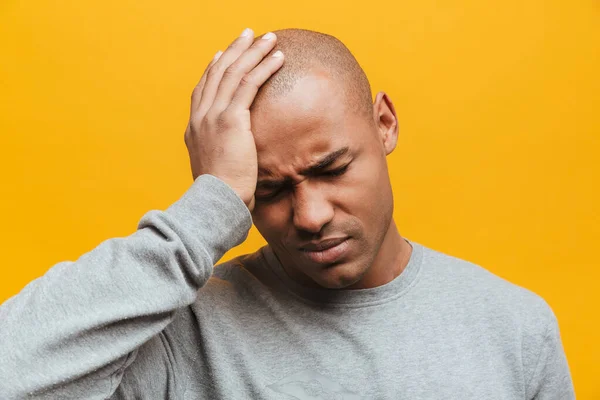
x=351, y=297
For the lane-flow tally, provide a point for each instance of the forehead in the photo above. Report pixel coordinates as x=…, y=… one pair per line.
x=294, y=129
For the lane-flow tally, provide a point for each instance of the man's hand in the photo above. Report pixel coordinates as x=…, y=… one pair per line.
x=219, y=137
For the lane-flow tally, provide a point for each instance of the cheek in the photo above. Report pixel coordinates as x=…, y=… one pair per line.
x=366, y=195
x=271, y=220
x=369, y=183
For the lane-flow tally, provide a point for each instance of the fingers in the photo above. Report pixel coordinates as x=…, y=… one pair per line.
x=245, y=63
x=251, y=82
x=215, y=73
x=197, y=93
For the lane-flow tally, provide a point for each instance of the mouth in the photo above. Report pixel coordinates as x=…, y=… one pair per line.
x=326, y=251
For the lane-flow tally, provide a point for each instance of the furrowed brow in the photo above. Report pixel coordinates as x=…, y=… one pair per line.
x=325, y=162
x=320, y=165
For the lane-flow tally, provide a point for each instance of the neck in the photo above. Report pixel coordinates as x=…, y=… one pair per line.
x=391, y=260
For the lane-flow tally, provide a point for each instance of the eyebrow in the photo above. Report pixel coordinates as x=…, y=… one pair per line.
x=316, y=167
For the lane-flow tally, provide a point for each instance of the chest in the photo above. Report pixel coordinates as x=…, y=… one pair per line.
x=304, y=356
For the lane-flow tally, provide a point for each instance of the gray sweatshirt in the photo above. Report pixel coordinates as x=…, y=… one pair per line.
x=148, y=317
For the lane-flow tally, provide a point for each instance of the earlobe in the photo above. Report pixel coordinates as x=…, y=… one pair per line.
x=386, y=121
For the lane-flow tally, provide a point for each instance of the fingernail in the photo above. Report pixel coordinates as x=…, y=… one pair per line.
x=216, y=57
x=268, y=36
x=278, y=53
x=247, y=32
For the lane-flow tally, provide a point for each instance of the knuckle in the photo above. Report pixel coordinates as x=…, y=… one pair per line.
x=195, y=122
x=218, y=120
x=225, y=120
x=214, y=71
x=188, y=136
x=212, y=116
x=195, y=93
x=198, y=88
x=247, y=80
x=232, y=70
x=237, y=42
x=191, y=130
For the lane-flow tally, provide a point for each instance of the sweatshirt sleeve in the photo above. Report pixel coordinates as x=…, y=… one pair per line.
x=551, y=379
x=71, y=333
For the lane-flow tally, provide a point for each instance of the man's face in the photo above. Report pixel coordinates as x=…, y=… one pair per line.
x=322, y=182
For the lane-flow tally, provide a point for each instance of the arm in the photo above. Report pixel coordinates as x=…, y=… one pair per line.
x=551, y=379
x=72, y=332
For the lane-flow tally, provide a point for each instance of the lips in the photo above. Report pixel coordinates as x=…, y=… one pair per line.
x=322, y=245
x=326, y=251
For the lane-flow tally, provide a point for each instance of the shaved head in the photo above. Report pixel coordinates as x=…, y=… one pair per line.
x=321, y=146
x=309, y=52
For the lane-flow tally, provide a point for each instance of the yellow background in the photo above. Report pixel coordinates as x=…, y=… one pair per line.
x=497, y=162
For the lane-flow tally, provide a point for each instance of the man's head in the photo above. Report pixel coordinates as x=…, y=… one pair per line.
x=322, y=147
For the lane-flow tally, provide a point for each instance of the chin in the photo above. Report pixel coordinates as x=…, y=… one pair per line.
x=340, y=277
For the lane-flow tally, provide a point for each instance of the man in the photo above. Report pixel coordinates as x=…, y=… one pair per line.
x=337, y=306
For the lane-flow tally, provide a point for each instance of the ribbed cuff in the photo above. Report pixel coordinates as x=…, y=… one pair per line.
x=212, y=212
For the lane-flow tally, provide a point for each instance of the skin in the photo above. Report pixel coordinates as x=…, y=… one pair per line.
x=263, y=155
x=293, y=132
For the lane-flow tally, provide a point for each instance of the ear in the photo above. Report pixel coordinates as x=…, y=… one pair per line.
x=386, y=122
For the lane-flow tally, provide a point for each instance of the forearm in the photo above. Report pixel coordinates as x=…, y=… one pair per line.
x=76, y=328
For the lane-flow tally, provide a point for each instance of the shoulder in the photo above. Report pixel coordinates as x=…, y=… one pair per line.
x=514, y=318
x=239, y=280
x=486, y=294
x=240, y=270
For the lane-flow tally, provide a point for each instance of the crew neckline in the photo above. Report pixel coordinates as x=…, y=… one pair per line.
x=351, y=297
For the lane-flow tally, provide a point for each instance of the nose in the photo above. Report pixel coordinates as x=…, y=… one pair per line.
x=311, y=210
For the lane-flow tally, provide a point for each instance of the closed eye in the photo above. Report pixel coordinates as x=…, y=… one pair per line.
x=267, y=197
x=267, y=194
x=336, y=172
x=276, y=191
